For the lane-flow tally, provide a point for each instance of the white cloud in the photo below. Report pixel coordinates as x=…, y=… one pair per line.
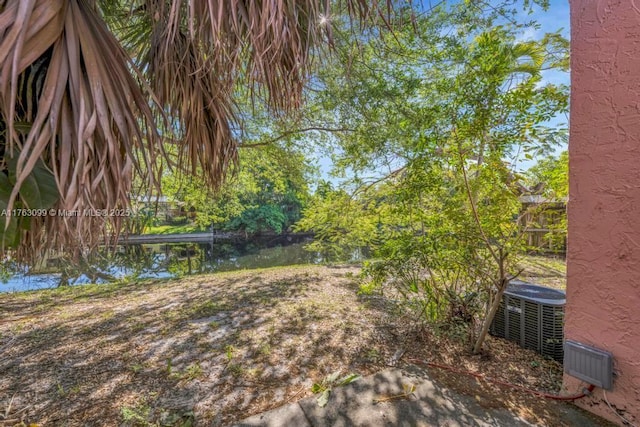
x=528, y=34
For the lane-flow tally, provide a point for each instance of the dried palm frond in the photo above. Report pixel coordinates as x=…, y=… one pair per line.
x=195, y=52
x=91, y=123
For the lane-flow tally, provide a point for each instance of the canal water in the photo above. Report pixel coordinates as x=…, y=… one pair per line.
x=166, y=260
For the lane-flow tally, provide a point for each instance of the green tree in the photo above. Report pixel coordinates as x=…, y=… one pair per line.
x=267, y=194
x=553, y=173
x=342, y=224
x=435, y=114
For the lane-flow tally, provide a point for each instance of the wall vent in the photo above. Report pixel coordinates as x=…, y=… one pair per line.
x=532, y=316
x=588, y=364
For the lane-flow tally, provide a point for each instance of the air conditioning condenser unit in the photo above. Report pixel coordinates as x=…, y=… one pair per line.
x=532, y=316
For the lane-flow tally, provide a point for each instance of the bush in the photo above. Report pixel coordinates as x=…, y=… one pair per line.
x=177, y=220
x=266, y=218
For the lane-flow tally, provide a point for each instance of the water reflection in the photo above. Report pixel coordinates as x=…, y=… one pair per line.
x=164, y=260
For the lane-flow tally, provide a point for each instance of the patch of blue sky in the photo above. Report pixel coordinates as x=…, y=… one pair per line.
x=555, y=18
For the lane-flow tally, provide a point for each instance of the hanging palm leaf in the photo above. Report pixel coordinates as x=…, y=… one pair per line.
x=72, y=98
x=87, y=116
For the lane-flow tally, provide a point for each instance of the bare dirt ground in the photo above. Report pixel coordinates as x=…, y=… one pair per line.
x=211, y=350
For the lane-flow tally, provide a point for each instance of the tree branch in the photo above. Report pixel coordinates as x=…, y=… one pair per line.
x=367, y=187
x=476, y=217
x=293, y=132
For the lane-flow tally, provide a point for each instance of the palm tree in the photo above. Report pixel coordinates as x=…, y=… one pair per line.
x=90, y=90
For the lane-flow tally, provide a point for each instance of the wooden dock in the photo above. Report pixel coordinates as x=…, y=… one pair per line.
x=204, y=237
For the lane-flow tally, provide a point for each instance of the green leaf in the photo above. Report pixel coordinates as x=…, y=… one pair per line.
x=39, y=189
x=9, y=236
x=348, y=379
x=5, y=191
x=317, y=388
x=324, y=398
x=24, y=223
x=330, y=379
x=8, y=233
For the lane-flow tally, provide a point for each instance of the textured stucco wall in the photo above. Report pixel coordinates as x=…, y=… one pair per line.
x=603, y=260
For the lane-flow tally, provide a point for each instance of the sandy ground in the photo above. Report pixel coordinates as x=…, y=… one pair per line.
x=211, y=350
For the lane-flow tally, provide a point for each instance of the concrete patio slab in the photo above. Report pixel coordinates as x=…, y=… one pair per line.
x=354, y=405
x=288, y=415
x=358, y=405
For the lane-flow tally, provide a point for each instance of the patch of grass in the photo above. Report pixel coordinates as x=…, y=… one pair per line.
x=192, y=372
x=202, y=309
x=373, y=355
x=136, y=416
x=236, y=369
x=271, y=331
x=137, y=326
x=544, y=270
x=140, y=414
x=229, y=351
x=544, y=265
x=265, y=349
x=214, y=325
x=252, y=373
x=173, y=315
x=37, y=336
x=107, y=315
x=17, y=328
x=65, y=392
x=64, y=313
x=137, y=367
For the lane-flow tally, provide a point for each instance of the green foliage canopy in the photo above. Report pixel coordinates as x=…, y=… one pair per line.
x=553, y=172
x=267, y=192
x=436, y=112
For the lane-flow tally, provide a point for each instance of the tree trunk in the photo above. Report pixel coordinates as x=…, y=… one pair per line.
x=490, y=315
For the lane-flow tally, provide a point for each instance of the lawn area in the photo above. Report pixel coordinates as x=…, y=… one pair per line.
x=213, y=349
x=545, y=271
x=173, y=229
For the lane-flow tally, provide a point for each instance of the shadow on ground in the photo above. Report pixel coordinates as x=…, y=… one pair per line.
x=213, y=348
x=403, y=397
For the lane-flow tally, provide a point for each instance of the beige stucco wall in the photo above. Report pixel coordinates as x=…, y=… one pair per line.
x=603, y=259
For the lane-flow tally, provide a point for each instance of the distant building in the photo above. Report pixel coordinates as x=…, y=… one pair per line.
x=164, y=208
